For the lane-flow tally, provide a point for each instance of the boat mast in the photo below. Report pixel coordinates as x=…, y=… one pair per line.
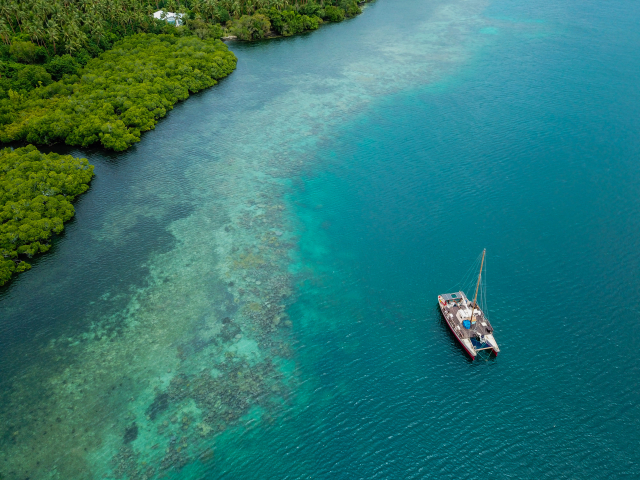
x=475, y=297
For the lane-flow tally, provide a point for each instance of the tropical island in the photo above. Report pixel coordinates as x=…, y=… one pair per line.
x=102, y=73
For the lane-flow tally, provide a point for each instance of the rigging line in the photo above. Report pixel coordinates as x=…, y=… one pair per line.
x=482, y=288
x=474, y=276
x=484, y=292
x=467, y=279
x=484, y=356
x=486, y=286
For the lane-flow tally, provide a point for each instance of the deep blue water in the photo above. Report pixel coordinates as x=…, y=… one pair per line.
x=519, y=133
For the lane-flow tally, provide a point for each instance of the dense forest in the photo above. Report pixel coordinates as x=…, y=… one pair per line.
x=84, y=28
x=85, y=72
x=121, y=93
x=36, y=191
x=61, y=59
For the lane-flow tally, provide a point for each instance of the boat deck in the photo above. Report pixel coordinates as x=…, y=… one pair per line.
x=482, y=324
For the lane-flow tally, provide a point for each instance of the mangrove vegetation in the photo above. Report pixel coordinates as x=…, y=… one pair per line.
x=36, y=191
x=120, y=94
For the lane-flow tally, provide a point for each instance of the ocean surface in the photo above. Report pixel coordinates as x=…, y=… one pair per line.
x=251, y=291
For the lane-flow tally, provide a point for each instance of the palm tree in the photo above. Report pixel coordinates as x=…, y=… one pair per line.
x=235, y=9
x=5, y=11
x=52, y=33
x=196, y=6
x=4, y=32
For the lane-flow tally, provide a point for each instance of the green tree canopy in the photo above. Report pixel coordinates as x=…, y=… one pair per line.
x=251, y=27
x=120, y=94
x=36, y=191
x=62, y=65
x=24, y=52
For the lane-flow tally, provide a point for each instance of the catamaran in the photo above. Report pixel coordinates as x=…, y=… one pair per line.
x=467, y=321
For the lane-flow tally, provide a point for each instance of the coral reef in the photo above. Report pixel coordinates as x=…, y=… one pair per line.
x=205, y=346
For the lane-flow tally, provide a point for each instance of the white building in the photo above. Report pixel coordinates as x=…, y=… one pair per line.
x=175, y=18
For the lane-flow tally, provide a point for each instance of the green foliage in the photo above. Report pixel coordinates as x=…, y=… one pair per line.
x=23, y=52
x=15, y=98
x=311, y=9
x=222, y=15
x=36, y=191
x=251, y=27
x=55, y=27
x=63, y=26
x=352, y=9
x=30, y=77
x=9, y=68
x=204, y=30
x=311, y=23
x=288, y=22
x=63, y=65
x=334, y=14
x=121, y=93
x=221, y=11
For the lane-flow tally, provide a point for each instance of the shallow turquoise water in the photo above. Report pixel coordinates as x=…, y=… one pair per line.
x=355, y=173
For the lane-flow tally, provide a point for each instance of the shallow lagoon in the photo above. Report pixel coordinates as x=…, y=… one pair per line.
x=249, y=292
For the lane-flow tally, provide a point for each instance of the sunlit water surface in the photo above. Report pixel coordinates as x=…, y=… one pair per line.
x=250, y=292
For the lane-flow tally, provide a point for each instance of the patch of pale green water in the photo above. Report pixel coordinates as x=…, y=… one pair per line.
x=205, y=350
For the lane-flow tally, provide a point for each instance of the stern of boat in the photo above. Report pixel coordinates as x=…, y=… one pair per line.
x=492, y=341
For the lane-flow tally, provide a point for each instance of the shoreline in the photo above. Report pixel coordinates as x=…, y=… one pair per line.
x=147, y=379
x=272, y=34
x=127, y=140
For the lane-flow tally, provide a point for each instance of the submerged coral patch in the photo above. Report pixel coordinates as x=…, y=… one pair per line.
x=159, y=405
x=131, y=433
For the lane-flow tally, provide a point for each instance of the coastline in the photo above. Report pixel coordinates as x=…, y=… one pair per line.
x=212, y=314
x=125, y=135
x=248, y=293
